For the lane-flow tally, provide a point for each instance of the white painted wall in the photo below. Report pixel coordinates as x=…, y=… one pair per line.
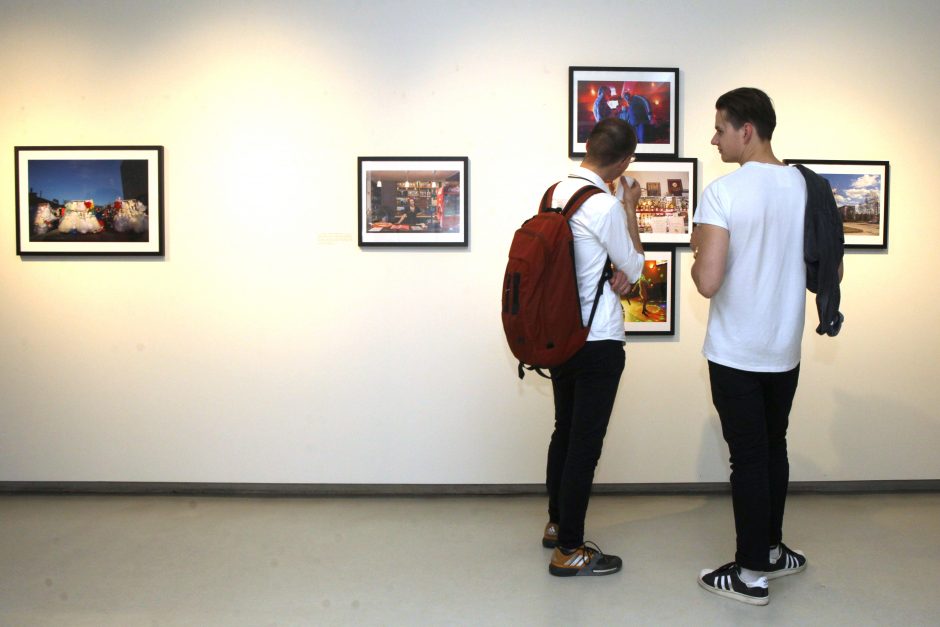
x=260, y=350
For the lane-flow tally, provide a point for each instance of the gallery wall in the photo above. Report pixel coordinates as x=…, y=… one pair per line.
x=266, y=346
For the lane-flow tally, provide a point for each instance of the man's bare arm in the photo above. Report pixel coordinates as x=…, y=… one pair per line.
x=710, y=252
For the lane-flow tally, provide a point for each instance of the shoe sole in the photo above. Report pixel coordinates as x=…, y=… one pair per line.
x=737, y=596
x=549, y=544
x=558, y=571
x=786, y=571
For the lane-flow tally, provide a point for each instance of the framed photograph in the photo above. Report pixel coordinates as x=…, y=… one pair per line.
x=89, y=200
x=649, y=307
x=647, y=98
x=413, y=201
x=861, y=192
x=667, y=199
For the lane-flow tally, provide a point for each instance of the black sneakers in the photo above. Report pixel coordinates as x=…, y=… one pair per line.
x=789, y=562
x=583, y=561
x=550, y=537
x=726, y=581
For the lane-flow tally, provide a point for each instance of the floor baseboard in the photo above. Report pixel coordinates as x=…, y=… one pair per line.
x=431, y=490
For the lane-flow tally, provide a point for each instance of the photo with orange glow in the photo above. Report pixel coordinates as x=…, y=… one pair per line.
x=656, y=94
x=649, y=305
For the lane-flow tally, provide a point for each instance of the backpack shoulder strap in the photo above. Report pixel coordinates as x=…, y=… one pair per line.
x=574, y=203
x=578, y=198
x=606, y=274
x=545, y=205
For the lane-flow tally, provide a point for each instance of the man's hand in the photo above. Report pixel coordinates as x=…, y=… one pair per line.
x=631, y=191
x=619, y=283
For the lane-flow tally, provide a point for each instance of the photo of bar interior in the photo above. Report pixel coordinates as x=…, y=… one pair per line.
x=422, y=201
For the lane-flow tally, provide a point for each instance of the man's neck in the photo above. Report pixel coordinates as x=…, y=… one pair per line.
x=760, y=152
x=600, y=171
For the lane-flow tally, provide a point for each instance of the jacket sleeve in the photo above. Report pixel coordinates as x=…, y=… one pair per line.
x=823, y=249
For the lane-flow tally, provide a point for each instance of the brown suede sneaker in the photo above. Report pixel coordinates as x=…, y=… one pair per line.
x=583, y=561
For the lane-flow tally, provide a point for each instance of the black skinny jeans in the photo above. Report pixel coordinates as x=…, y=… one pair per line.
x=754, y=408
x=584, y=388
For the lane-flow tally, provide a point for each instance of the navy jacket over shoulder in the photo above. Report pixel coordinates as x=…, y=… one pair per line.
x=823, y=247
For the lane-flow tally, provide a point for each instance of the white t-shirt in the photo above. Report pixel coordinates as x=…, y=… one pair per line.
x=599, y=228
x=755, y=320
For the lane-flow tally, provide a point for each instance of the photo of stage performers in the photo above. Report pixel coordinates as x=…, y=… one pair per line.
x=646, y=98
x=647, y=307
x=646, y=106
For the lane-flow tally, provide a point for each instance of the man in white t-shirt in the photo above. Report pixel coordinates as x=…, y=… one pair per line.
x=584, y=387
x=748, y=251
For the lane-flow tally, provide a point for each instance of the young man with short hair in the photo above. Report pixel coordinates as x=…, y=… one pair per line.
x=585, y=386
x=748, y=254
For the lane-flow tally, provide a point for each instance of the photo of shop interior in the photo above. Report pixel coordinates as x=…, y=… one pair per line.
x=422, y=201
x=663, y=206
x=647, y=299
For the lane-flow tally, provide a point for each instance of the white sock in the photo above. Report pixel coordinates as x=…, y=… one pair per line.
x=775, y=553
x=752, y=578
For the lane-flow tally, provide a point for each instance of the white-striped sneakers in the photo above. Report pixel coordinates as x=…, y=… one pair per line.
x=726, y=581
x=789, y=562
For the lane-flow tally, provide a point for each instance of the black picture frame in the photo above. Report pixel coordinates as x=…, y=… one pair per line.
x=89, y=200
x=861, y=189
x=654, y=114
x=414, y=201
x=658, y=285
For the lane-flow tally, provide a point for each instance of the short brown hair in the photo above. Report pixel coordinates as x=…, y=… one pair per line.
x=611, y=140
x=749, y=104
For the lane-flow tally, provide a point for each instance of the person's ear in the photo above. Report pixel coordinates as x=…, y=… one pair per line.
x=748, y=132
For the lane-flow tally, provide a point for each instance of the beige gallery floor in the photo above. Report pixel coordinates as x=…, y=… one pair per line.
x=156, y=560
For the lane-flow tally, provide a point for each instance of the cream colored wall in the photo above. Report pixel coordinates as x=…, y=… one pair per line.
x=267, y=347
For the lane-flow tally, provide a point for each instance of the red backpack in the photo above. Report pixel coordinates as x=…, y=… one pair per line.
x=541, y=302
